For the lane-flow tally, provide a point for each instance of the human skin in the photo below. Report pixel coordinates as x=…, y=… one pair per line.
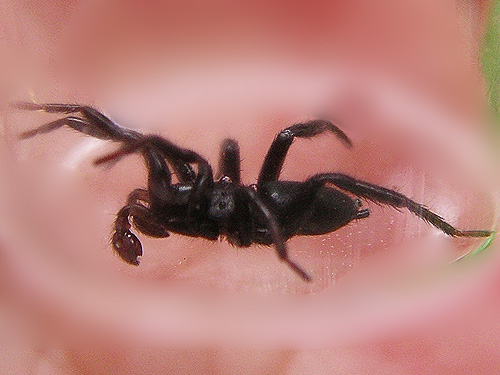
x=266, y=90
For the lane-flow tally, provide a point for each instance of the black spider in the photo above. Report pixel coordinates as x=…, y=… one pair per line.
x=269, y=212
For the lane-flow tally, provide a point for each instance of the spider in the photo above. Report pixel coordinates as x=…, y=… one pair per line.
x=268, y=212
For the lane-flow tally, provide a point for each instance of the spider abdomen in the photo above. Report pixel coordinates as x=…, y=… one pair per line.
x=304, y=211
x=330, y=210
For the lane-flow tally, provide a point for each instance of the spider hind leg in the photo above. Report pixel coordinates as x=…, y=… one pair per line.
x=394, y=199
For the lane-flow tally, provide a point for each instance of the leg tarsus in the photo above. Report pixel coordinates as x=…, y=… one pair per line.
x=315, y=127
x=297, y=269
x=48, y=107
x=71, y=121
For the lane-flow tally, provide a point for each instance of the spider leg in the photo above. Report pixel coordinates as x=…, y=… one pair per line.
x=229, y=161
x=178, y=157
x=204, y=179
x=73, y=122
x=273, y=162
x=97, y=125
x=124, y=242
x=160, y=189
x=93, y=123
x=183, y=170
x=157, y=151
x=275, y=232
x=392, y=198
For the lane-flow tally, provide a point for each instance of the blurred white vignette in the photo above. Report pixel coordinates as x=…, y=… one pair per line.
x=409, y=96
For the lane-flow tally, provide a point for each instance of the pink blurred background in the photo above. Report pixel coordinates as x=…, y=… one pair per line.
x=404, y=80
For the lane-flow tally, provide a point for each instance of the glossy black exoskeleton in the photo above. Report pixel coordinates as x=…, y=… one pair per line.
x=269, y=212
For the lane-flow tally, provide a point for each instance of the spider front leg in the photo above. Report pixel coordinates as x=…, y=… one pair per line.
x=93, y=123
x=392, y=198
x=273, y=162
x=124, y=242
x=99, y=126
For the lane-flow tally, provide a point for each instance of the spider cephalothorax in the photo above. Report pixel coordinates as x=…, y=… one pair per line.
x=269, y=212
